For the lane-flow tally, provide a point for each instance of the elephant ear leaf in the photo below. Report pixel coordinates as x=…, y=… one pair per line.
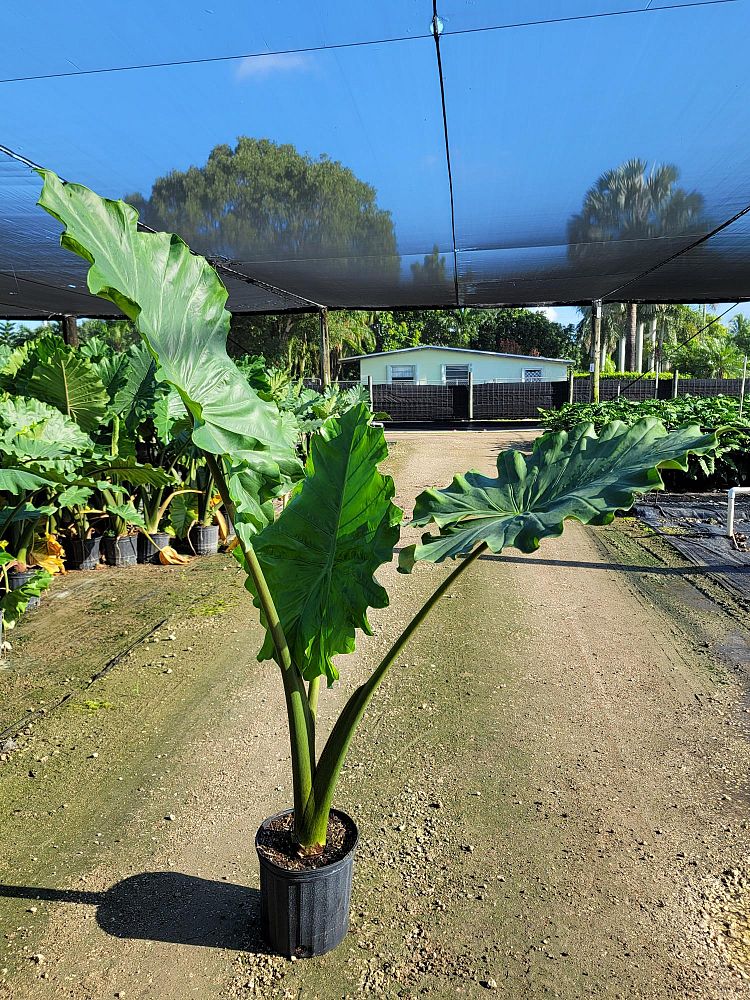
x=69, y=382
x=576, y=475
x=177, y=301
x=319, y=557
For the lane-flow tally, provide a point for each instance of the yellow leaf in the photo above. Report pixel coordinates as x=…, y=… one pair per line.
x=223, y=526
x=170, y=557
x=48, y=555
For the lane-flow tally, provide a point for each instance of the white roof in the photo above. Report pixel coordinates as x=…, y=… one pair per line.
x=457, y=350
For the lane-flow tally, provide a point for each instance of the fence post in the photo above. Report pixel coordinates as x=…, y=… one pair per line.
x=675, y=381
x=471, y=396
x=742, y=386
x=369, y=392
x=325, y=351
x=70, y=331
x=596, y=319
x=571, y=384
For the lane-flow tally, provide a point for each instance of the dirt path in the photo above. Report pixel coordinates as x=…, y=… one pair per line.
x=549, y=788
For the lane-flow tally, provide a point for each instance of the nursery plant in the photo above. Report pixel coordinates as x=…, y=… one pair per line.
x=311, y=570
x=727, y=465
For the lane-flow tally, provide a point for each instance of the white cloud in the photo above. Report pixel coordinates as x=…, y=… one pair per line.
x=547, y=311
x=259, y=67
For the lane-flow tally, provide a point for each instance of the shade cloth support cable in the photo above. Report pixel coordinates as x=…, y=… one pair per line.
x=307, y=49
x=437, y=28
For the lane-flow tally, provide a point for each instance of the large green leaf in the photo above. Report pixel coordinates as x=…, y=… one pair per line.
x=129, y=471
x=68, y=381
x=569, y=475
x=39, y=431
x=319, y=557
x=139, y=390
x=183, y=513
x=177, y=302
x=14, y=602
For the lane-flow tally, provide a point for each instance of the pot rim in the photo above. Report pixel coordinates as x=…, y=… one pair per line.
x=308, y=874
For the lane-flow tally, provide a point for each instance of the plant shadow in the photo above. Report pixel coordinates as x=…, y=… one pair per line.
x=170, y=907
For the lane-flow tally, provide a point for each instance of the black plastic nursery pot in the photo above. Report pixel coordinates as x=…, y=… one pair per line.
x=306, y=913
x=17, y=578
x=120, y=551
x=205, y=539
x=148, y=550
x=82, y=553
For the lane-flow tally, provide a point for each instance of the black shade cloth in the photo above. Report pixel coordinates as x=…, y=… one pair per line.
x=542, y=98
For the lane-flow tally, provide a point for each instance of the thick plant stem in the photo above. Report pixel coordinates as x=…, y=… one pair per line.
x=313, y=690
x=315, y=821
x=297, y=706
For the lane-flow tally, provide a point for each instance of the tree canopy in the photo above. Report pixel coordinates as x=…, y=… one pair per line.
x=261, y=200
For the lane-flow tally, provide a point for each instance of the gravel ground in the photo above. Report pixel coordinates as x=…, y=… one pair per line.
x=550, y=787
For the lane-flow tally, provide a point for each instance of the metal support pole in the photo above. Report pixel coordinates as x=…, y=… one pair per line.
x=675, y=382
x=639, y=347
x=325, y=351
x=369, y=392
x=742, y=387
x=70, y=331
x=471, y=396
x=596, y=319
x=571, y=384
x=656, y=380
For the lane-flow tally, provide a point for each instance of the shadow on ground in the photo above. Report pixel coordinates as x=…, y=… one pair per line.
x=167, y=906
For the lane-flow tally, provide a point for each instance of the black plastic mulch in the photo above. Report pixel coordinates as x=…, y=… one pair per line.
x=695, y=525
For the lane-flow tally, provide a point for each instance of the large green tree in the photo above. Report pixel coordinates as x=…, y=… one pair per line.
x=630, y=203
x=262, y=201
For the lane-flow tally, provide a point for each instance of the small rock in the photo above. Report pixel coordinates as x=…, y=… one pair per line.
x=38, y=958
x=93, y=756
x=168, y=671
x=489, y=984
x=170, y=817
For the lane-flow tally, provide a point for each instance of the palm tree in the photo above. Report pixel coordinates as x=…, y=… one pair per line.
x=631, y=203
x=613, y=326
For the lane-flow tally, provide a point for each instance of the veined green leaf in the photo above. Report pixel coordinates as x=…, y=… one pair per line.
x=139, y=389
x=17, y=480
x=319, y=557
x=67, y=381
x=177, y=302
x=39, y=431
x=128, y=470
x=183, y=512
x=14, y=603
x=569, y=475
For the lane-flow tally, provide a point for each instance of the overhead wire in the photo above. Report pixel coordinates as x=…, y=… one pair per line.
x=362, y=43
x=436, y=31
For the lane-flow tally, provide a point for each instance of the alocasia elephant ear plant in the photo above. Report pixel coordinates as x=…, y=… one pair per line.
x=311, y=571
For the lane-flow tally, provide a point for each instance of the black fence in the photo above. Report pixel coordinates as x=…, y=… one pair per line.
x=522, y=400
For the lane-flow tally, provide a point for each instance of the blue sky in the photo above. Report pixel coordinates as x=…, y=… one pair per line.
x=569, y=314
x=535, y=112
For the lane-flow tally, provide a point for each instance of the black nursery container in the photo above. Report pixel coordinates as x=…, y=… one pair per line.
x=17, y=579
x=205, y=539
x=306, y=913
x=120, y=551
x=148, y=551
x=82, y=553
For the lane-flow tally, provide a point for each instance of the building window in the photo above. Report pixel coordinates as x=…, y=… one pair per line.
x=532, y=374
x=403, y=373
x=457, y=374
